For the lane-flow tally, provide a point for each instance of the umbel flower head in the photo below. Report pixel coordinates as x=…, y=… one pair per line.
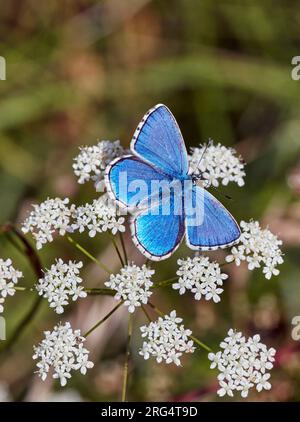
x=9, y=277
x=166, y=339
x=61, y=283
x=132, y=285
x=201, y=276
x=217, y=164
x=62, y=351
x=258, y=247
x=92, y=160
x=99, y=216
x=52, y=215
x=242, y=364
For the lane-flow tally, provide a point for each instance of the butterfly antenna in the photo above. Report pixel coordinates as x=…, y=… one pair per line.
x=210, y=142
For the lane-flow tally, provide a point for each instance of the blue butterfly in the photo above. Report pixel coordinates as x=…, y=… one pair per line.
x=159, y=156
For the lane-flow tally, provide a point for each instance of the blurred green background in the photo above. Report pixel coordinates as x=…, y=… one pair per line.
x=79, y=71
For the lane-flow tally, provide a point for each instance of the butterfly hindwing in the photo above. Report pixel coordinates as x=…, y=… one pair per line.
x=156, y=233
x=217, y=228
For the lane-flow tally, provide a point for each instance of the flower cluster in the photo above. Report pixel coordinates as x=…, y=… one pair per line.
x=132, y=285
x=63, y=351
x=217, y=164
x=61, y=283
x=201, y=276
x=91, y=162
x=52, y=215
x=258, y=247
x=166, y=340
x=99, y=216
x=243, y=364
x=9, y=276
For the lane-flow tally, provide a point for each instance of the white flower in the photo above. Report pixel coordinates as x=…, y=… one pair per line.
x=201, y=277
x=259, y=247
x=242, y=364
x=52, y=215
x=166, y=340
x=217, y=164
x=132, y=285
x=62, y=350
x=99, y=216
x=9, y=277
x=92, y=161
x=61, y=283
x=226, y=388
x=263, y=383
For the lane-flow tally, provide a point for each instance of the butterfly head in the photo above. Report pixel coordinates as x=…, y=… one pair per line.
x=197, y=178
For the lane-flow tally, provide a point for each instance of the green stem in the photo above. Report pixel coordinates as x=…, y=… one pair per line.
x=102, y=320
x=21, y=289
x=90, y=256
x=146, y=313
x=117, y=250
x=165, y=283
x=123, y=248
x=90, y=291
x=103, y=291
x=160, y=313
x=126, y=363
x=224, y=263
x=204, y=346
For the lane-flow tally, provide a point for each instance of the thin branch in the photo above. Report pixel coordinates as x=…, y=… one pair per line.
x=117, y=250
x=100, y=291
x=90, y=256
x=102, y=320
x=28, y=249
x=126, y=363
x=146, y=313
x=165, y=283
x=124, y=248
x=204, y=346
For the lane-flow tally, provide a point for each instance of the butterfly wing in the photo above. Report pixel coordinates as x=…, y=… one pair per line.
x=156, y=233
x=216, y=228
x=128, y=180
x=158, y=141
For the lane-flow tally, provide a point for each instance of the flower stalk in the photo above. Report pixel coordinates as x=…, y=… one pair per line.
x=126, y=363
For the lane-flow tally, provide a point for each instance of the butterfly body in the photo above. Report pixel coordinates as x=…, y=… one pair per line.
x=167, y=203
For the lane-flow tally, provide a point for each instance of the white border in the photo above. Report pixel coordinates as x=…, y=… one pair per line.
x=109, y=189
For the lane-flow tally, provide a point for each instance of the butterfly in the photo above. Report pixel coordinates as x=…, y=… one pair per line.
x=159, y=157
